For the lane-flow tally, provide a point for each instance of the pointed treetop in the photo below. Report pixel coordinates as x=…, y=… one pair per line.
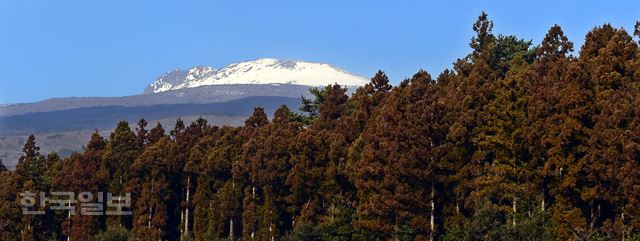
x=636, y=31
x=31, y=162
x=282, y=115
x=122, y=126
x=121, y=130
x=333, y=105
x=96, y=142
x=141, y=132
x=257, y=119
x=421, y=76
x=201, y=123
x=178, y=128
x=380, y=82
x=30, y=149
x=142, y=123
x=554, y=45
x=483, y=27
x=596, y=39
x=158, y=126
x=156, y=133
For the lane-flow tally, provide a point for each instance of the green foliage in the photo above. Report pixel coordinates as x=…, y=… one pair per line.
x=312, y=106
x=340, y=225
x=114, y=234
x=327, y=97
x=303, y=232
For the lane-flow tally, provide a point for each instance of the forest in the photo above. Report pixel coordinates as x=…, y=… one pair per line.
x=514, y=142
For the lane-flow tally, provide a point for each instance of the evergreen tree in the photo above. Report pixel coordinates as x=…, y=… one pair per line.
x=78, y=174
x=612, y=73
x=156, y=133
x=120, y=152
x=402, y=171
x=141, y=133
x=267, y=155
x=242, y=173
x=30, y=178
x=151, y=183
x=10, y=216
x=187, y=158
x=317, y=153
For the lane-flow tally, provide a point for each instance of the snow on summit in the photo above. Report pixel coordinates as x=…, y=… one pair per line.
x=261, y=71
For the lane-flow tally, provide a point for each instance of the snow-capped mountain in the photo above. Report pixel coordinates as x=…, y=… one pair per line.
x=261, y=71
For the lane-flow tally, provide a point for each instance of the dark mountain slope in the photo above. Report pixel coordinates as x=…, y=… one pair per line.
x=101, y=117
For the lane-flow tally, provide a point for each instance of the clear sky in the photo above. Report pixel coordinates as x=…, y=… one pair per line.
x=61, y=48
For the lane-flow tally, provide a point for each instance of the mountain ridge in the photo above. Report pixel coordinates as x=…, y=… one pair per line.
x=202, y=94
x=260, y=71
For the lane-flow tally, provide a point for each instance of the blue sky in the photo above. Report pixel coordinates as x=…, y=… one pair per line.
x=63, y=48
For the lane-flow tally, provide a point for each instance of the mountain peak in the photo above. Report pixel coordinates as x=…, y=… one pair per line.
x=259, y=71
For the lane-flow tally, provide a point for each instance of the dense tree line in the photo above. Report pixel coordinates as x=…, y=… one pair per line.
x=515, y=142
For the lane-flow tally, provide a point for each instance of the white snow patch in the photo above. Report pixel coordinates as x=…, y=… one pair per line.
x=264, y=71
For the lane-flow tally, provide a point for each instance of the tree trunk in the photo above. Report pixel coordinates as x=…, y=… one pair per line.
x=271, y=231
x=69, y=217
x=595, y=213
x=253, y=195
x=186, y=216
x=150, y=213
x=514, y=212
x=231, y=228
x=181, y=220
x=433, y=218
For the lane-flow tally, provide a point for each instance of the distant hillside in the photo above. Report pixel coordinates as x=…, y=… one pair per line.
x=101, y=117
x=204, y=94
